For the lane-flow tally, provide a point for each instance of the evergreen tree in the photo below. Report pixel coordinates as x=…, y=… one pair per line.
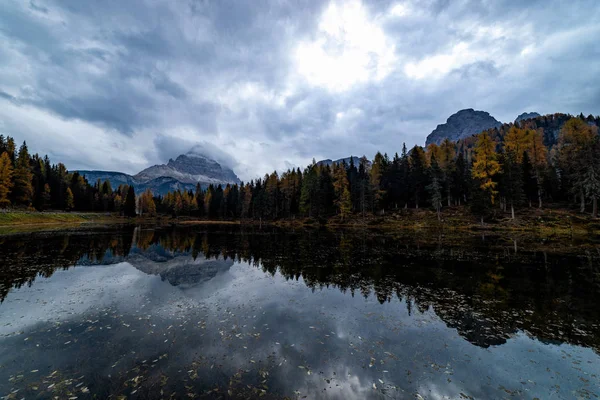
x=486, y=166
x=512, y=182
x=309, y=190
x=576, y=144
x=343, y=199
x=6, y=174
x=69, y=200
x=46, y=196
x=129, y=206
x=447, y=164
x=460, y=180
x=376, y=176
x=405, y=176
x=418, y=174
x=435, y=188
x=23, y=190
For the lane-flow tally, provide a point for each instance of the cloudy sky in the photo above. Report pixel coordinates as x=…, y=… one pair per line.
x=267, y=84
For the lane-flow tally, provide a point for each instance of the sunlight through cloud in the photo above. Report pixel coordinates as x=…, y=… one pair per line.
x=349, y=48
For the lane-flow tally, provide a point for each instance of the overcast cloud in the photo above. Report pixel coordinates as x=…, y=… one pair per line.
x=263, y=85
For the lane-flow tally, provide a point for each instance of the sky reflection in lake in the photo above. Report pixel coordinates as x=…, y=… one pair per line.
x=166, y=318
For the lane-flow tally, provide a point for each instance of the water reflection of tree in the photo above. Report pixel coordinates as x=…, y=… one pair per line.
x=484, y=289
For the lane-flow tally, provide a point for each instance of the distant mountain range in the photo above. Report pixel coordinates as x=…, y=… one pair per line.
x=183, y=173
x=467, y=123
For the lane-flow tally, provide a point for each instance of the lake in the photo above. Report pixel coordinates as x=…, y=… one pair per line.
x=230, y=312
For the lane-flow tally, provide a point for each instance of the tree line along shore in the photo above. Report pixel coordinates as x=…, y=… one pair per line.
x=499, y=174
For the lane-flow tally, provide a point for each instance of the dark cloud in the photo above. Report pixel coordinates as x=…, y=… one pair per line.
x=230, y=74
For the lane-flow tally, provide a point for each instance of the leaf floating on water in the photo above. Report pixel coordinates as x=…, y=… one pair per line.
x=374, y=387
x=380, y=381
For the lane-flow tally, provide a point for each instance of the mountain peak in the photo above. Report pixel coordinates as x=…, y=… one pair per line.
x=464, y=123
x=191, y=168
x=527, y=115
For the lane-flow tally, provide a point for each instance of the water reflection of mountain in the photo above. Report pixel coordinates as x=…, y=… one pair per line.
x=487, y=289
x=179, y=269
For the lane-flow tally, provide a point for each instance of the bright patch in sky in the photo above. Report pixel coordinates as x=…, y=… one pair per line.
x=349, y=48
x=439, y=65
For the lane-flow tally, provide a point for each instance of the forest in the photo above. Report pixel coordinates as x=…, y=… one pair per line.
x=549, y=160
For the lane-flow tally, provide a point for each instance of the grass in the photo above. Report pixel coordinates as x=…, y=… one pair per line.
x=17, y=221
x=546, y=221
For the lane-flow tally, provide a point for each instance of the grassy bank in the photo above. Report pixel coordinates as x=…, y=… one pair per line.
x=545, y=221
x=16, y=221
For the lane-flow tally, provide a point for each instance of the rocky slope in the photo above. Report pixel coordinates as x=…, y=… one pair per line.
x=527, y=115
x=190, y=168
x=463, y=124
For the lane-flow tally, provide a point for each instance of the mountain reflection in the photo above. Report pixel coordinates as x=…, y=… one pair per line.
x=486, y=288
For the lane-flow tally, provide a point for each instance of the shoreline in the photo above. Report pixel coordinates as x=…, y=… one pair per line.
x=545, y=221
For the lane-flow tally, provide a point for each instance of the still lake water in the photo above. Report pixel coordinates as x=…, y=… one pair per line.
x=224, y=312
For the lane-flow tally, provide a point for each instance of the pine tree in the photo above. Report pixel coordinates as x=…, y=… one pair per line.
x=308, y=191
x=460, y=180
x=376, y=175
x=485, y=168
x=129, y=206
x=418, y=174
x=23, y=190
x=448, y=165
x=538, y=155
x=576, y=143
x=405, y=175
x=343, y=199
x=70, y=201
x=6, y=184
x=512, y=182
x=435, y=187
x=591, y=184
x=486, y=165
x=46, y=196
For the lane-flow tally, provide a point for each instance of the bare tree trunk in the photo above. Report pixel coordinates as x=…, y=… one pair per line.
x=539, y=197
x=512, y=210
x=582, y=204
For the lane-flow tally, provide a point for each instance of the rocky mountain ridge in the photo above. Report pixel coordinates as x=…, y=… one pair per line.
x=526, y=115
x=183, y=173
x=462, y=124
